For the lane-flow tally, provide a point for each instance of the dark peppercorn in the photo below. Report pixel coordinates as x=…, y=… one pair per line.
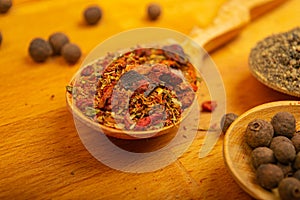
x=227, y=120
x=284, y=123
x=284, y=151
x=0, y=38
x=259, y=133
x=262, y=155
x=92, y=15
x=5, y=5
x=153, y=11
x=289, y=189
x=269, y=176
x=71, y=53
x=287, y=169
x=279, y=139
x=57, y=41
x=39, y=49
x=296, y=163
x=296, y=142
x=297, y=174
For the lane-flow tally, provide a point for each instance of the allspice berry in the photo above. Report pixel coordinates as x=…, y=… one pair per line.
x=259, y=133
x=5, y=5
x=71, y=53
x=284, y=123
x=279, y=139
x=92, y=15
x=227, y=120
x=153, y=11
x=287, y=169
x=262, y=155
x=268, y=176
x=57, y=41
x=284, y=151
x=297, y=174
x=296, y=163
x=289, y=189
x=296, y=142
x=39, y=50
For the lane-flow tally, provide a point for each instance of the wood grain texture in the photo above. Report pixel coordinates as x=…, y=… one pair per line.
x=41, y=155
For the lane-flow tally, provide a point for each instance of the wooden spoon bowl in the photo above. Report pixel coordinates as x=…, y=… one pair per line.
x=237, y=153
x=273, y=61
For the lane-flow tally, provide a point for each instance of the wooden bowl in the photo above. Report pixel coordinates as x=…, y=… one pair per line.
x=140, y=38
x=268, y=67
x=237, y=153
x=273, y=85
x=126, y=134
x=118, y=133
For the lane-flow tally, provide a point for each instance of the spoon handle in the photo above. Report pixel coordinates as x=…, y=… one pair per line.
x=232, y=17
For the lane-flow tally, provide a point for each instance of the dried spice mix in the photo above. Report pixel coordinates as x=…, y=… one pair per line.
x=141, y=89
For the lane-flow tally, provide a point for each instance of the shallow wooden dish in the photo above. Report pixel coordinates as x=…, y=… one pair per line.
x=260, y=77
x=139, y=38
x=116, y=133
x=237, y=153
x=268, y=66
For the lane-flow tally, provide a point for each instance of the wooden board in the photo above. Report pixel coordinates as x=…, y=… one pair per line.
x=41, y=154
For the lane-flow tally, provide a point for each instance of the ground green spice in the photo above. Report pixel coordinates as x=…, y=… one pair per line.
x=277, y=58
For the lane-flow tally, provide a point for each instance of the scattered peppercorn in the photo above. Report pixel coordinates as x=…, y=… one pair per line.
x=92, y=15
x=5, y=5
x=39, y=49
x=259, y=133
x=57, y=41
x=269, y=175
x=262, y=155
x=296, y=142
x=227, y=120
x=209, y=106
x=153, y=11
x=284, y=124
x=71, y=53
x=289, y=189
x=284, y=151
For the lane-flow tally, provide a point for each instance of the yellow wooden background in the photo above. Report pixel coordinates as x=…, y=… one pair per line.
x=41, y=155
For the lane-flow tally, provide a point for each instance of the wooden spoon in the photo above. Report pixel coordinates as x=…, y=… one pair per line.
x=237, y=152
x=232, y=17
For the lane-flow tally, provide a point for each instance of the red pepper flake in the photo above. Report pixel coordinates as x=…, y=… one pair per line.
x=209, y=106
x=144, y=121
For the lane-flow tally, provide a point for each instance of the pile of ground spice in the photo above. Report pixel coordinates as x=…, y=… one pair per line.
x=277, y=59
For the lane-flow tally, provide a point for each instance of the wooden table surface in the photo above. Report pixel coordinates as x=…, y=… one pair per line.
x=41, y=155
